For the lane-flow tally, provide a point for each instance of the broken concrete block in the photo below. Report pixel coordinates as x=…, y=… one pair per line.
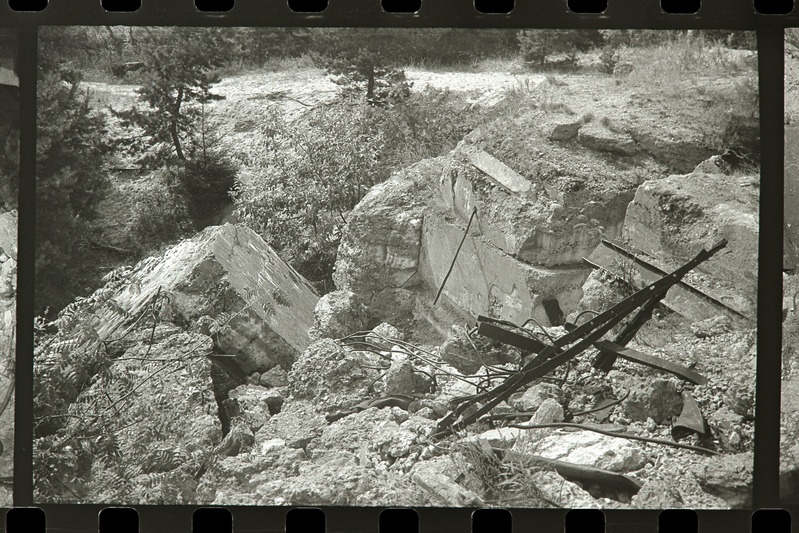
x=338, y=314
x=268, y=305
x=487, y=281
x=458, y=351
x=381, y=335
x=672, y=218
x=252, y=404
x=499, y=437
x=297, y=424
x=562, y=492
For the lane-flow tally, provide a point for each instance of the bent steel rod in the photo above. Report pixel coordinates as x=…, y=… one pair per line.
x=550, y=358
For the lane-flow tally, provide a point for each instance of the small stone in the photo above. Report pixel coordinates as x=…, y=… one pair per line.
x=533, y=397
x=272, y=445
x=650, y=425
x=550, y=411
x=399, y=378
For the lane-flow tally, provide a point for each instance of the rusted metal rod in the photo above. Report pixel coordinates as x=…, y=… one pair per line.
x=452, y=265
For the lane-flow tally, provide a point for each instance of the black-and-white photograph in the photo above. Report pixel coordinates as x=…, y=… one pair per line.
x=9, y=167
x=789, y=417
x=396, y=267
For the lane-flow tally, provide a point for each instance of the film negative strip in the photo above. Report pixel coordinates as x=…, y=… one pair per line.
x=398, y=266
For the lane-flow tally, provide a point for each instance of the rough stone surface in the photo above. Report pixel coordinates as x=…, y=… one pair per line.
x=274, y=377
x=658, y=494
x=8, y=313
x=588, y=448
x=673, y=218
x=548, y=412
x=487, y=281
x=399, y=378
x=459, y=352
x=331, y=375
x=442, y=488
x=657, y=399
x=297, y=424
x=535, y=396
x=381, y=243
x=729, y=477
x=726, y=426
x=338, y=314
x=382, y=333
x=561, y=492
x=603, y=139
x=711, y=327
x=239, y=439
x=499, y=437
x=561, y=128
x=252, y=404
x=269, y=305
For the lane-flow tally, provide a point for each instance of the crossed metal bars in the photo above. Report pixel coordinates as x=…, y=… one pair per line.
x=574, y=342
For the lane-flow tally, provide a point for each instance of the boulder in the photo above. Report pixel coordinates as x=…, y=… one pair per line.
x=338, y=314
x=587, y=448
x=268, y=306
x=657, y=399
x=728, y=477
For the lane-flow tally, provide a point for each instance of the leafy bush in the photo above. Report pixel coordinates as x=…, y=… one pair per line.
x=310, y=174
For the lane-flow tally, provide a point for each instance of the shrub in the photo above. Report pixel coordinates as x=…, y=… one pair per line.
x=536, y=46
x=301, y=186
